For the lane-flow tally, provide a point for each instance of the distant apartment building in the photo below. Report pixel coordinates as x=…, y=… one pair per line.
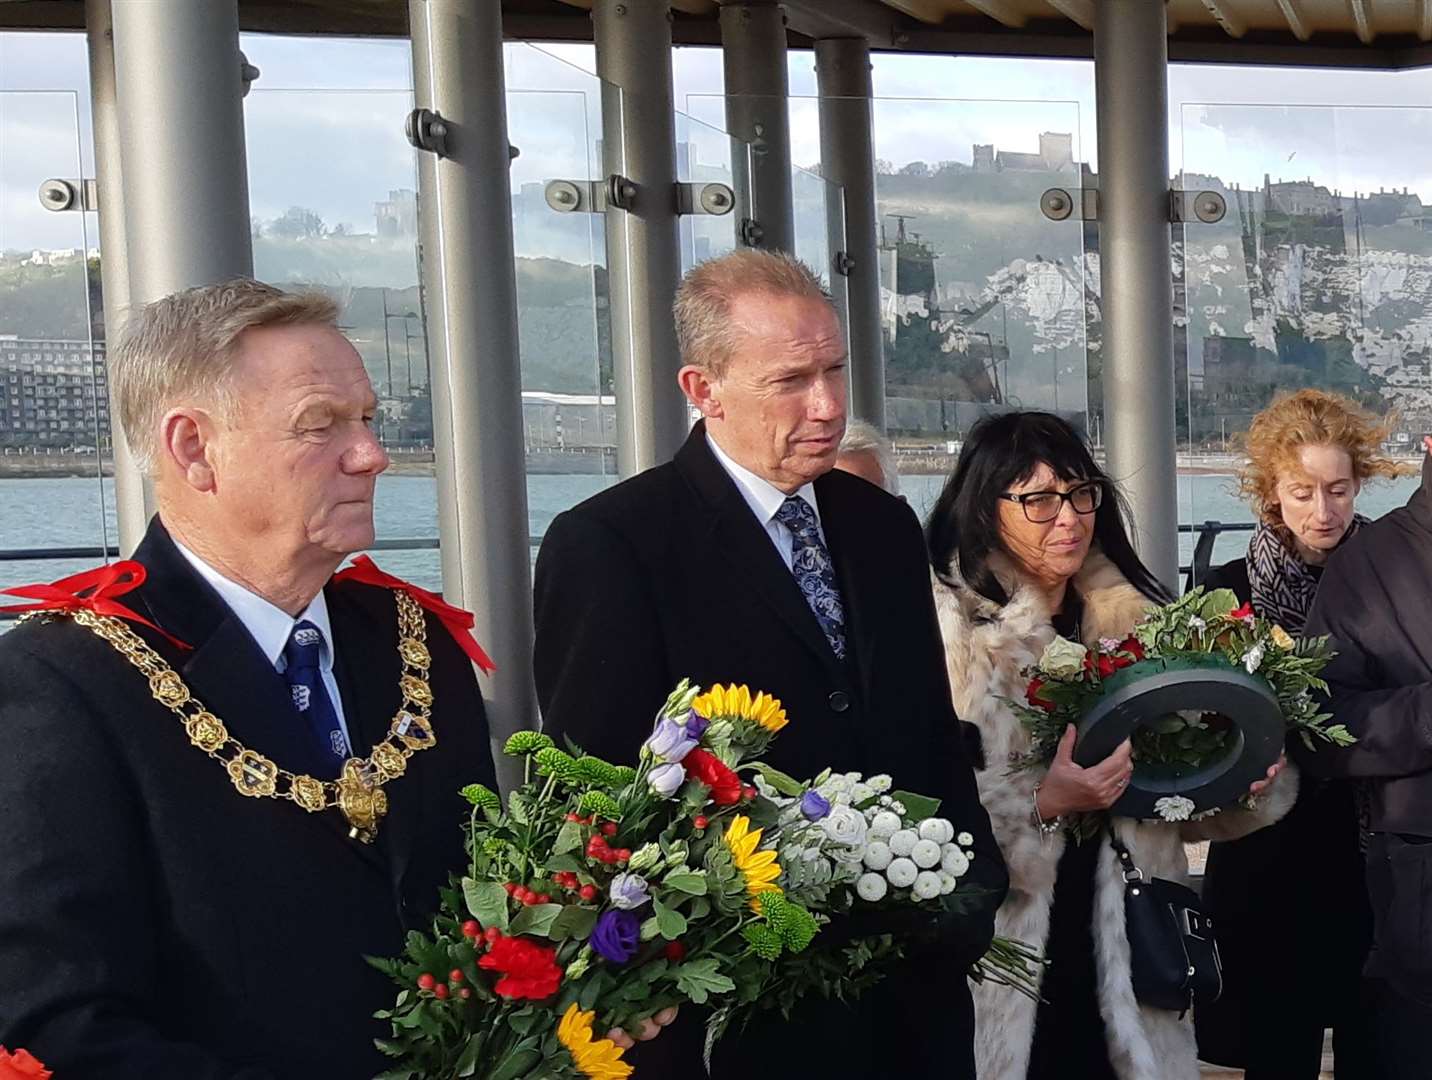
x=53, y=393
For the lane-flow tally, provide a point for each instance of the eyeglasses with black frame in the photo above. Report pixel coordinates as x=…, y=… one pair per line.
x=1041, y=507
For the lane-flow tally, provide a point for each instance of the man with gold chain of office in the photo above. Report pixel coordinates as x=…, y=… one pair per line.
x=230, y=774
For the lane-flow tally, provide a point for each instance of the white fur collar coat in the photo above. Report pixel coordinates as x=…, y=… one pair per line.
x=986, y=650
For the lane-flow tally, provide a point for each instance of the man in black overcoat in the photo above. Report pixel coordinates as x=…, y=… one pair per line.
x=748, y=559
x=154, y=920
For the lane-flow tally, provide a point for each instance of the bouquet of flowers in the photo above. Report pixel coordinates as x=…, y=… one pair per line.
x=1207, y=635
x=600, y=894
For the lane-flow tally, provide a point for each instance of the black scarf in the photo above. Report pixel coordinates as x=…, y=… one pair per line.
x=1282, y=584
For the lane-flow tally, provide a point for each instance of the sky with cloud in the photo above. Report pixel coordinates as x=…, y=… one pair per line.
x=324, y=121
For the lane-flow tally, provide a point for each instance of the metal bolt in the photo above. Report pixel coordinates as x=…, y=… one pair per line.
x=759, y=129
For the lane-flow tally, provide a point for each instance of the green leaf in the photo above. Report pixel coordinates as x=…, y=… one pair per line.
x=537, y=919
x=1218, y=602
x=699, y=979
x=671, y=923
x=574, y=923
x=487, y=900
x=691, y=882
x=525, y=1055
x=783, y=783
x=700, y=908
x=569, y=838
x=917, y=807
x=518, y=808
x=650, y=928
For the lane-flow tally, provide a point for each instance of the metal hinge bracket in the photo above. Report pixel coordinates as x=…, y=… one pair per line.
x=60, y=195
x=1187, y=207
x=1057, y=204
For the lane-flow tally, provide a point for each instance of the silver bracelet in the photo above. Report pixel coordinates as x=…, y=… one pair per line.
x=1046, y=828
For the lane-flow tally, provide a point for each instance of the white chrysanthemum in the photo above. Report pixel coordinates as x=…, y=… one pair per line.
x=902, y=873
x=877, y=855
x=954, y=861
x=871, y=887
x=964, y=839
x=925, y=854
x=880, y=783
x=884, y=825
x=1253, y=658
x=927, y=885
x=1174, y=808
x=898, y=807
x=903, y=841
x=861, y=793
x=937, y=829
x=947, y=883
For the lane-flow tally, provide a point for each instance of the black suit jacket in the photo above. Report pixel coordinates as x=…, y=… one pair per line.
x=670, y=574
x=156, y=923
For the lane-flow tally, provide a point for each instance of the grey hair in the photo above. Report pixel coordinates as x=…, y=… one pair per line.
x=705, y=333
x=863, y=438
x=183, y=346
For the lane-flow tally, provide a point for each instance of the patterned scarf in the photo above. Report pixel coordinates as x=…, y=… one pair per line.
x=1282, y=584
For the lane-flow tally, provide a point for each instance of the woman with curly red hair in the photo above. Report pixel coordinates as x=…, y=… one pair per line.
x=1293, y=894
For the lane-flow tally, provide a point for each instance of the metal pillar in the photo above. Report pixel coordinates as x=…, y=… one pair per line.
x=470, y=297
x=847, y=158
x=134, y=501
x=181, y=134
x=633, y=42
x=753, y=47
x=1131, y=94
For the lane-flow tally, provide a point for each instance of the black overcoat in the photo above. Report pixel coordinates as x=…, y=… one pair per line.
x=669, y=575
x=156, y=923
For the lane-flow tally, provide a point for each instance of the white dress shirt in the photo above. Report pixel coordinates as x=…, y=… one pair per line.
x=764, y=499
x=271, y=627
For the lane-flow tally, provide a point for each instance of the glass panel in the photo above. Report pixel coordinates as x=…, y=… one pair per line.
x=1312, y=279
x=54, y=405
x=342, y=215
x=984, y=296
x=707, y=154
x=569, y=411
x=815, y=200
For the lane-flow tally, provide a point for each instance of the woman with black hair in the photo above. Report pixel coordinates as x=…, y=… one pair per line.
x=1028, y=540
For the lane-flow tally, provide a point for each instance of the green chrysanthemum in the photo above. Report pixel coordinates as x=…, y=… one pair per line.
x=764, y=941
x=553, y=762
x=494, y=846
x=520, y=743
x=482, y=797
x=595, y=771
x=793, y=924
x=624, y=775
x=600, y=804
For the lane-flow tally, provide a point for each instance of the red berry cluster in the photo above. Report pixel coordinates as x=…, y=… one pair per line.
x=523, y=895
x=601, y=851
x=454, y=985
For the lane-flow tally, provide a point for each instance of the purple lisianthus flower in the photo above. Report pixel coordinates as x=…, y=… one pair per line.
x=616, y=936
x=669, y=742
x=696, y=724
x=627, y=891
x=666, y=780
x=814, y=805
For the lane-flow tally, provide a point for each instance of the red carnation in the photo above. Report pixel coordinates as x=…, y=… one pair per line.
x=705, y=766
x=528, y=970
x=1109, y=664
x=1245, y=612
x=1132, y=646
x=1031, y=694
x=21, y=1065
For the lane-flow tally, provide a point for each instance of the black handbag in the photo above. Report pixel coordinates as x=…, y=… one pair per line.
x=1172, y=952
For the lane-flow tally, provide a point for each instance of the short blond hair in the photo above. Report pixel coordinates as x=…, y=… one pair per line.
x=705, y=332
x=184, y=345
x=1309, y=418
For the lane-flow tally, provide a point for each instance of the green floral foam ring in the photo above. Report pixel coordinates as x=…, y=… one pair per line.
x=1142, y=692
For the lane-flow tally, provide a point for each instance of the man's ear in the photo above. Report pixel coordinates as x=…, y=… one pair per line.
x=186, y=447
x=702, y=391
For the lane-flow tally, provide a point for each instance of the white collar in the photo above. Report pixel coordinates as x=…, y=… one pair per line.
x=763, y=497
x=269, y=625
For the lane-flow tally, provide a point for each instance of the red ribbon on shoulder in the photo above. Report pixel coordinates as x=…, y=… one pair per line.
x=94, y=590
x=459, y=623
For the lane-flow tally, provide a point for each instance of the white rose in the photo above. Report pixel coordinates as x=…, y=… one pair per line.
x=947, y=883
x=844, y=826
x=880, y=783
x=925, y=854
x=871, y=887
x=955, y=862
x=902, y=873
x=927, y=885
x=903, y=841
x=877, y=855
x=884, y=825
x=860, y=793
x=1062, y=658
x=937, y=829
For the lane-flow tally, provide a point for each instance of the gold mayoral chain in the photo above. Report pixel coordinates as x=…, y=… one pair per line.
x=358, y=791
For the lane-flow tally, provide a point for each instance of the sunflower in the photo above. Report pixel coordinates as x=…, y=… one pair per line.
x=600, y=1059
x=735, y=702
x=759, y=868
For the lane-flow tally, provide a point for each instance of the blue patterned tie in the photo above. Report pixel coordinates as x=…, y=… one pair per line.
x=310, y=696
x=814, y=571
